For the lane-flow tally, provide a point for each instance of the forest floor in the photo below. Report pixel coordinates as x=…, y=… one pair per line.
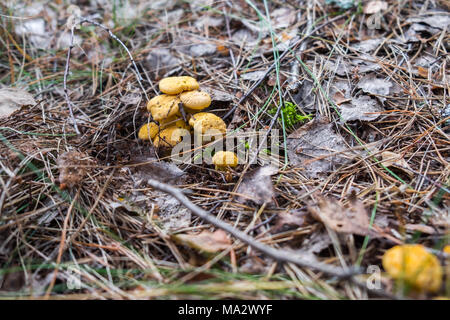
x=358, y=91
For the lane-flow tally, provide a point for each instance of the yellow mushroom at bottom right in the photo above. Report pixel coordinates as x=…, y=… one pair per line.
x=414, y=265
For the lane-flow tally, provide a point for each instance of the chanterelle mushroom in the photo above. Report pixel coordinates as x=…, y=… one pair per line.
x=195, y=100
x=169, y=137
x=176, y=85
x=173, y=121
x=413, y=264
x=148, y=131
x=163, y=106
x=205, y=122
x=225, y=159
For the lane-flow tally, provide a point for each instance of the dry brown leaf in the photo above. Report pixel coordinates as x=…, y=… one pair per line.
x=205, y=241
x=377, y=86
x=362, y=108
x=351, y=218
x=11, y=99
x=341, y=91
x=290, y=219
x=392, y=159
x=376, y=6
x=256, y=186
x=317, y=148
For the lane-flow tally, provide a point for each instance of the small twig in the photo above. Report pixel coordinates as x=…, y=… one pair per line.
x=112, y=35
x=277, y=254
x=280, y=255
x=62, y=245
x=66, y=72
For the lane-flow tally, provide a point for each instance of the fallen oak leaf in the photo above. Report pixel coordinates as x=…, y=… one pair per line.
x=350, y=218
x=205, y=241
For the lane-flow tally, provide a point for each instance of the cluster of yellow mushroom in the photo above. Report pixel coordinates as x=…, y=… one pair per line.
x=181, y=96
x=414, y=265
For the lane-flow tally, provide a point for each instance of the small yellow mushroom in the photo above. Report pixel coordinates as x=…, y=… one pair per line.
x=148, y=131
x=196, y=100
x=205, y=122
x=176, y=85
x=169, y=137
x=225, y=159
x=413, y=264
x=163, y=106
x=447, y=249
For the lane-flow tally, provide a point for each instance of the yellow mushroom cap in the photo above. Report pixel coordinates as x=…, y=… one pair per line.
x=176, y=85
x=447, y=249
x=196, y=100
x=148, y=131
x=205, y=122
x=169, y=137
x=224, y=159
x=173, y=121
x=413, y=264
x=163, y=106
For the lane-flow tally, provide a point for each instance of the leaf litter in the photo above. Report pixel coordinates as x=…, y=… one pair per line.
x=317, y=148
x=257, y=187
x=350, y=218
x=361, y=67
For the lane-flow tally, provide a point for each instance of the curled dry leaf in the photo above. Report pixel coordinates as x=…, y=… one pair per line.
x=368, y=45
x=377, y=86
x=256, y=186
x=365, y=63
x=438, y=20
x=202, y=49
x=339, y=67
x=11, y=99
x=422, y=26
x=218, y=95
x=362, y=108
x=340, y=91
x=392, y=159
x=73, y=167
x=205, y=241
x=376, y=6
x=317, y=149
x=148, y=167
x=282, y=18
x=290, y=219
x=351, y=218
x=208, y=21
